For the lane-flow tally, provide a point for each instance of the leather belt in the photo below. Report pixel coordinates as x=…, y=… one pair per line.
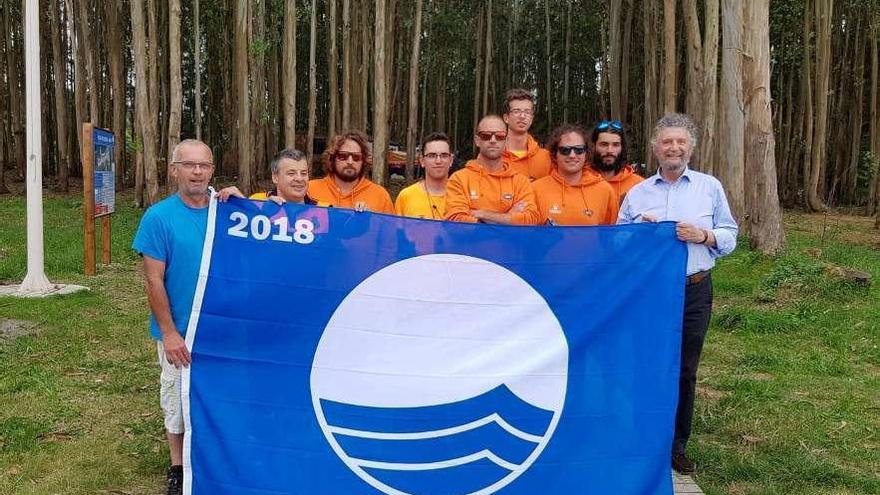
x=697, y=277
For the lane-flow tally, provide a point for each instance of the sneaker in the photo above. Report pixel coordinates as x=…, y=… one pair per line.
x=175, y=481
x=683, y=465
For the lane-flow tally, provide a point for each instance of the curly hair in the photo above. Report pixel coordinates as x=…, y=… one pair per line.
x=671, y=120
x=517, y=94
x=556, y=136
x=334, y=144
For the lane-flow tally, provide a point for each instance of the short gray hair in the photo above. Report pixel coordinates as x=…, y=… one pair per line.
x=286, y=154
x=175, y=153
x=678, y=120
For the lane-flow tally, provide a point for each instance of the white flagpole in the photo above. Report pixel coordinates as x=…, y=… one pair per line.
x=35, y=282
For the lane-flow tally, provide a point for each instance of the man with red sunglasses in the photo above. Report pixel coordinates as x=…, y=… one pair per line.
x=347, y=162
x=609, y=157
x=488, y=190
x=522, y=151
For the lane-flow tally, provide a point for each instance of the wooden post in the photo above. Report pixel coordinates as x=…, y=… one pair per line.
x=105, y=239
x=86, y=155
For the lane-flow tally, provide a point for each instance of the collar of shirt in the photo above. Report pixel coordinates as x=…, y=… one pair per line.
x=659, y=178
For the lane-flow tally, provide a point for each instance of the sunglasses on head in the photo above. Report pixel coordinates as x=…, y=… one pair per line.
x=566, y=150
x=609, y=124
x=487, y=135
x=345, y=155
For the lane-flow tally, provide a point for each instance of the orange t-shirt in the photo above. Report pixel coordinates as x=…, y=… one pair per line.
x=374, y=196
x=591, y=202
x=534, y=162
x=475, y=188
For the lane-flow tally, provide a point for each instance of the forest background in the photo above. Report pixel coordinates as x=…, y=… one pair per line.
x=785, y=93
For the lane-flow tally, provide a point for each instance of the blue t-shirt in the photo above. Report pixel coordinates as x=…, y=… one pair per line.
x=172, y=232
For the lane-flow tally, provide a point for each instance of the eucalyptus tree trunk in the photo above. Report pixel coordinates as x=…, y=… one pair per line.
x=548, y=98
x=567, y=61
x=197, y=69
x=85, y=26
x=346, y=64
x=477, y=66
x=243, y=116
x=257, y=62
x=669, y=58
x=764, y=223
x=616, y=72
x=313, y=80
x=380, y=98
x=487, y=68
x=651, y=79
x=145, y=115
x=176, y=86
x=694, y=98
x=732, y=121
x=332, y=70
x=289, y=73
x=413, y=113
x=710, y=87
x=115, y=47
x=823, y=74
x=874, y=191
x=807, y=99
x=59, y=59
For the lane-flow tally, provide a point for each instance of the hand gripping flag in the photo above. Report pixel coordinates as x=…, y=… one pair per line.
x=345, y=353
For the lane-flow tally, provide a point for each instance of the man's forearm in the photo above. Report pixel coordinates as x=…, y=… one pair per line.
x=160, y=307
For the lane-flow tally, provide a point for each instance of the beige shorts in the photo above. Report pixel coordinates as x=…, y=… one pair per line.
x=169, y=393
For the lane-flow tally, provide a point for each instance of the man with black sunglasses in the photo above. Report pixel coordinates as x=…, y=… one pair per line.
x=347, y=163
x=609, y=157
x=487, y=189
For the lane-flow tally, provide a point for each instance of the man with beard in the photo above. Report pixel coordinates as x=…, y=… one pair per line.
x=522, y=151
x=170, y=238
x=427, y=197
x=609, y=157
x=347, y=162
x=697, y=203
x=488, y=190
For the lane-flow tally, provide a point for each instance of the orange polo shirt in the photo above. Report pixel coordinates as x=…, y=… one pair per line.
x=475, y=188
x=590, y=202
x=534, y=163
x=376, y=198
x=623, y=181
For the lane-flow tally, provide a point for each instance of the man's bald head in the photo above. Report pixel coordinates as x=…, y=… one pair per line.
x=492, y=119
x=190, y=145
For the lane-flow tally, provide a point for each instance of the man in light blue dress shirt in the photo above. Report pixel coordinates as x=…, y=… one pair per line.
x=697, y=203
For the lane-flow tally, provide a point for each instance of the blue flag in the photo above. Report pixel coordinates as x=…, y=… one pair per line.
x=337, y=352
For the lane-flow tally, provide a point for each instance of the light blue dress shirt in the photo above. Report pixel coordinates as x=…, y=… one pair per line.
x=694, y=198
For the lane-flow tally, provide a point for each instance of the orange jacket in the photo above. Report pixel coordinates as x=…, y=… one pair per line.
x=377, y=200
x=534, y=164
x=474, y=188
x=591, y=202
x=624, y=181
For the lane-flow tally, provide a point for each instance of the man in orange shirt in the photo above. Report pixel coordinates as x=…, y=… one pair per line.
x=523, y=152
x=347, y=162
x=609, y=157
x=487, y=190
x=572, y=194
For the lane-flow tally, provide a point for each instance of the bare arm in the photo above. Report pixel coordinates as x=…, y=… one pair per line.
x=175, y=347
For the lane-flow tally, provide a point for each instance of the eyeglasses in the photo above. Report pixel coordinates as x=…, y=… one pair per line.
x=194, y=165
x=609, y=124
x=487, y=135
x=566, y=150
x=520, y=111
x=345, y=155
x=438, y=156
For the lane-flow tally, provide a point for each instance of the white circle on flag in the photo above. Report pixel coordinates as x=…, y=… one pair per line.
x=434, y=331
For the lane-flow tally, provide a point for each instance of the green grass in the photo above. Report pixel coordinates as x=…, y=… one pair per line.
x=788, y=393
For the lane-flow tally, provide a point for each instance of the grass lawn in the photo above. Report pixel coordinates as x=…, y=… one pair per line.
x=788, y=398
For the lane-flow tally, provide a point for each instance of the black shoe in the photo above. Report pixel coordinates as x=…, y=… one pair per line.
x=175, y=480
x=683, y=465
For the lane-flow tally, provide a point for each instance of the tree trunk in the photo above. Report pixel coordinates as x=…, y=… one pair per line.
x=257, y=61
x=380, y=99
x=732, y=123
x=487, y=68
x=567, y=61
x=548, y=97
x=118, y=76
x=85, y=26
x=710, y=87
x=365, y=64
x=625, y=62
x=313, y=80
x=197, y=69
x=59, y=59
x=694, y=98
x=651, y=80
x=762, y=199
x=874, y=191
x=615, y=55
x=332, y=70
x=289, y=64
x=807, y=101
x=413, y=113
x=669, y=56
x=477, y=66
x=823, y=73
x=243, y=118
x=346, y=64
x=176, y=86
x=145, y=114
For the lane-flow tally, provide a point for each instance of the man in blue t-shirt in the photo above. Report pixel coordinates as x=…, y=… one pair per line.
x=170, y=239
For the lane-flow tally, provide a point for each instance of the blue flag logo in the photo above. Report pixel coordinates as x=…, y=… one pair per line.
x=345, y=353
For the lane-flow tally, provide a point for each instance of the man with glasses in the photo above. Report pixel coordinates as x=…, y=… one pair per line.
x=523, y=152
x=347, y=163
x=609, y=157
x=697, y=203
x=488, y=190
x=427, y=198
x=170, y=239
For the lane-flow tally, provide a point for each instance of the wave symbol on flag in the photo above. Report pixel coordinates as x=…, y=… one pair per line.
x=440, y=375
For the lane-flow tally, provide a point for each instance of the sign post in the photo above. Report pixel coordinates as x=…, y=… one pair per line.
x=99, y=191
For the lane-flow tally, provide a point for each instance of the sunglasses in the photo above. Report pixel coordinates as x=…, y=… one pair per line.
x=487, y=135
x=566, y=150
x=609, y=124
x=345, y=155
